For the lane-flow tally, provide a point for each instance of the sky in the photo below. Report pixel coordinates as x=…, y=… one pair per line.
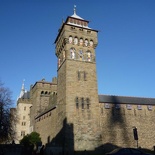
x=125, y=55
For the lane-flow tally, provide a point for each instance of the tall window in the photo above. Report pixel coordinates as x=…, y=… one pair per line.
x=88, y=102
x=81, y=41
x=91, y=43
x=80, y=54
x=70, y=39
x=77, y=102
x=72, y=53
x=75, y=40
x=86, y=42
x=78, y=75
x=84, y=76
x=82, y=102
x=88, y=56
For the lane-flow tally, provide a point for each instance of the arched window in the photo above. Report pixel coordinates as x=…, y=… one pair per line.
x=72, y=53
x=86, y=42
x=81, y=41
x=70, y=39
x=75, y=40
x=80, y=54
x=91, y=43
x=89, y=56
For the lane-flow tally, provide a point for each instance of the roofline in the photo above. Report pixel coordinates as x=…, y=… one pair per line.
x=43, y=82
x=71, y=25
x=46, y=111
x=126, y=100
x=76, y=18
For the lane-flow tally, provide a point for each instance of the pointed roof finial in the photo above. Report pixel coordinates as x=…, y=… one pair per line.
x=75, y=9
x=23, y=84
x=22, y=89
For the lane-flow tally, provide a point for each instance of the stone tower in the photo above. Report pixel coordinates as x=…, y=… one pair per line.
x=77, y=92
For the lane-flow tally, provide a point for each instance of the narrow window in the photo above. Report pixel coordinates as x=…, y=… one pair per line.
x=78, y=75
x=70, y=39
x=72, y=53
x=86, y=42
x=89, y=56
x=75, y=40
x=91, y=43
x=101, y=110
x=81, y=41
x=82, y=102
x=80, y=54
x=84, y=76
x=24, y=108
x=88, y=103
x=77, y=102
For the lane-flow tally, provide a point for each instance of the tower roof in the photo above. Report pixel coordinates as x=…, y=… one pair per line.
x=75, y=21
x=75, y=15
x=22, y=90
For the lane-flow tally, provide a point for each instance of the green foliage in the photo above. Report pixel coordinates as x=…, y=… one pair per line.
x=31, y=139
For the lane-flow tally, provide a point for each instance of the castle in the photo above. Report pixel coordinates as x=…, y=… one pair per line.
x=68, y=112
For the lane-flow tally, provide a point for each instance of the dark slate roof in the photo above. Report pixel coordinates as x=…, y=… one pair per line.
x=26, y=95
x=126, y=100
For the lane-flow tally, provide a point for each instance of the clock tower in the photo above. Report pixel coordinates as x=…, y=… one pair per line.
x=77, y=92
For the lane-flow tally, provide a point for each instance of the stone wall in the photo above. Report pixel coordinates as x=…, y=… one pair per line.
x=45, y=126
x=117, y=126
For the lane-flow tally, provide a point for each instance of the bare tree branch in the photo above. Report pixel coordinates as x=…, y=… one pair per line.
x=6, y=129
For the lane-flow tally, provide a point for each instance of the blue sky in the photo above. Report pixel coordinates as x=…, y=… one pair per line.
x=126, y=42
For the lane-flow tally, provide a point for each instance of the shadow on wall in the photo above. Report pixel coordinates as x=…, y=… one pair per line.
x=116, y=120
x=63, y=142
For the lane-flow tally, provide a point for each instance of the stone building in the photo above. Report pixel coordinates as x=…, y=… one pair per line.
x=69, y=113
x=22, y=115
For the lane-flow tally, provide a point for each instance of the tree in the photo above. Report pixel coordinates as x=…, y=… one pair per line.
x=6, y=130
x=31, y=139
